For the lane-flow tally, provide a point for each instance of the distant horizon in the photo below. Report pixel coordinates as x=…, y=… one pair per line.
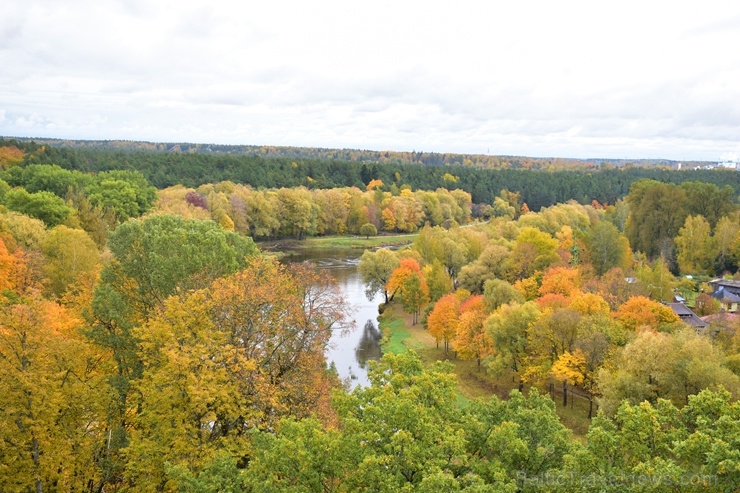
x=366, y=149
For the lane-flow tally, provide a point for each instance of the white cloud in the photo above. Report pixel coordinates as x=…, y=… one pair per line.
x=579, y=79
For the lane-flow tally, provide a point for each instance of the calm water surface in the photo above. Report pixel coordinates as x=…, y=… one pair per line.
x=350, y=352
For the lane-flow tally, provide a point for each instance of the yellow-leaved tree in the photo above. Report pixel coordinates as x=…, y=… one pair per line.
x=569, y=368
x=53, y=393
x=222, y=361
x=71, y=254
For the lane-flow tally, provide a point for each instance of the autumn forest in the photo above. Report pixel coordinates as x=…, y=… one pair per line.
x=150, y=342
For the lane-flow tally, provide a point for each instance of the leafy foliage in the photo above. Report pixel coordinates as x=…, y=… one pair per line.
x=694, y=448
x=664, y=366
x=70, y=254
x=159, y=256
x=42, y=205
x=192, y=363
x=376, y=269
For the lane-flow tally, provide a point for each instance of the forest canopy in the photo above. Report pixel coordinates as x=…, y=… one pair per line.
x=147, y=344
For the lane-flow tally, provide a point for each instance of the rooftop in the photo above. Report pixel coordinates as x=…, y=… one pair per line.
x=725, y=282
x=687, y=315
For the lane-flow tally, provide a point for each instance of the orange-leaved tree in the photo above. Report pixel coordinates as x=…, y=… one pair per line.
x=374, y=184
x=442, y=320
x=552, y=302
x=471, y=339
x=8, y=263
x=408, y=267
x=14, y=273
x=639, y=311
x=560, y=280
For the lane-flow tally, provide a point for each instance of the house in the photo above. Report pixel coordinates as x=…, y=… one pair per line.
x=727, y=292
x=722, y=322
x=688, y=316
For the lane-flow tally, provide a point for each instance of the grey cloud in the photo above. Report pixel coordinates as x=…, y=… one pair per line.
x=726, y=24
x=9, y=34
x=12, y=24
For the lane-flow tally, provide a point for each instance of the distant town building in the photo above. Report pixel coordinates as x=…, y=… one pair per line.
x=727, y=292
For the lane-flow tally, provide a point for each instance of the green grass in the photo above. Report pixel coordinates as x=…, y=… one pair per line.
x=574, y=416
x=394, y=332
x=359, y=242
x=462, y=401
x=347, y=242
x=340, y=242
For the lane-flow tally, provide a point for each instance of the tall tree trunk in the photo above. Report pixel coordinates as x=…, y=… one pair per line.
x=565, y=394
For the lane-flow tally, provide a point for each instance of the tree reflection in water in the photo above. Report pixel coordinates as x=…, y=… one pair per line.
x=369, y=346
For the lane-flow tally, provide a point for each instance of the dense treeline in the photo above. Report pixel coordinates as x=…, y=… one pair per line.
x=184, y=318
x=406, y=433
x=357, y=155
x=192, y=363
x=299, y=212
x=538, y=190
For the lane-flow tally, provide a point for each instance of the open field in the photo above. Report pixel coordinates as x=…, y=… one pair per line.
x=352, y=242
x=347, y=242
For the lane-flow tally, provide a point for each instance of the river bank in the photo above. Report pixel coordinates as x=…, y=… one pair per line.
x=400, y=335
x=395, y=332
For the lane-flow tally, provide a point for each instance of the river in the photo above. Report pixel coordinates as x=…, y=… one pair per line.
x=350, y=352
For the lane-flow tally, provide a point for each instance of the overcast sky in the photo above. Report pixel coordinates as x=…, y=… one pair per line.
x=647, y=79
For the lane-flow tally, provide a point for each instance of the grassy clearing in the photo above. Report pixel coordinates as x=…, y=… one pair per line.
x=340, y=242
x=349, y=242
x=394, y=332
x=399, y=335
x=360, y=242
